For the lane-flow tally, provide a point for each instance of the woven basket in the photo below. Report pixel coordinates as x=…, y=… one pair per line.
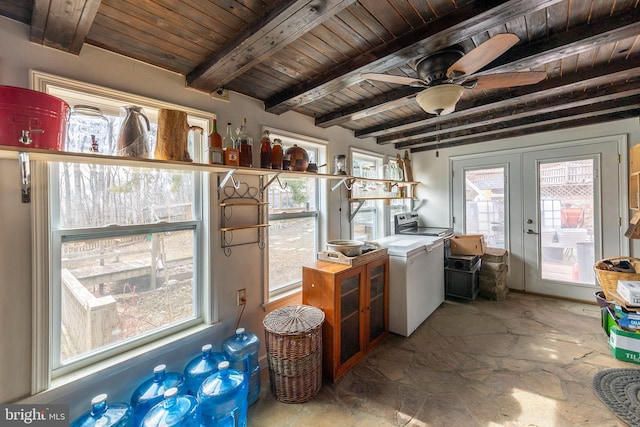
x=609, y=279
x=294, y=352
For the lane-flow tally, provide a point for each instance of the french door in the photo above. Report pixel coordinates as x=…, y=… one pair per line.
x=486, y=200
x=571, y=202
x=550, y=208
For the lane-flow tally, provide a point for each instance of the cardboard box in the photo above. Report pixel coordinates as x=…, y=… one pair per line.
x=624, y=345
x=629, y=290
x=472, y=244
x=633, y=231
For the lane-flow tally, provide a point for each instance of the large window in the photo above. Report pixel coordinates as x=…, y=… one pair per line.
x=367, y=224
x=126, y=243
x=294, y=212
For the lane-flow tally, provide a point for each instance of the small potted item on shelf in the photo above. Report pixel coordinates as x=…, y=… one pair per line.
x=340, y=164
x=299, y=159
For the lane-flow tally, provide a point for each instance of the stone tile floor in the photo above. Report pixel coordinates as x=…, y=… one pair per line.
x=527, y=361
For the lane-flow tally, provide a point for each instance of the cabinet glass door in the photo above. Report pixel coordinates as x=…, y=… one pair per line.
x=376, y=301
x=349, y=316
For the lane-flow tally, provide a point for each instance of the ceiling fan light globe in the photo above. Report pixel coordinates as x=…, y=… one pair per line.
x=441, y=99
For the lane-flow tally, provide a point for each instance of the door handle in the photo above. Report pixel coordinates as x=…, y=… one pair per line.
x=530, y=231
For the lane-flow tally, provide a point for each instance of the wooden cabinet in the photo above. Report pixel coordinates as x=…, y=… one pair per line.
x=355, y=301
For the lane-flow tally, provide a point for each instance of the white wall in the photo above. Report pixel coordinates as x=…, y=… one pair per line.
x=99, y=67
x=435, y=175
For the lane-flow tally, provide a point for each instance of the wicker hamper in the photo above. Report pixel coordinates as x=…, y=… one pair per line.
x=294, y=352
x=608, y=279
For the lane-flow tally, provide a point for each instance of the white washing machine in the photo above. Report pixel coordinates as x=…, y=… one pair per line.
x=416, y=279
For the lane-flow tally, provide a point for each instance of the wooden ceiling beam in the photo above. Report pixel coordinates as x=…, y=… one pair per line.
x=463, y=23
x=281, y=25
x=571, y=42
x=526, y=114
x=541, y=105
x=591, y=118
x=568, y=43
x=62, y=24
x=386, y=101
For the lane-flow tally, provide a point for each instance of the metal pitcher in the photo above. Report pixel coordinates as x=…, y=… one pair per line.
x=133, y=140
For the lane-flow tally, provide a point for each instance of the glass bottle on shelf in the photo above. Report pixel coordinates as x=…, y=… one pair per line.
x=265, y=151
x=216, y=156
x=245, y=143
x=276, y=154
x=87, y=125
x=231, y=153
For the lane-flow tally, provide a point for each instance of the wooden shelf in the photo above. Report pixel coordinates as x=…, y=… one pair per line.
x=634, y=191
x=243, y=227
x=634, y=159
x=247, y=203
x=10, y=152
x=392, y=181
x=357, y=199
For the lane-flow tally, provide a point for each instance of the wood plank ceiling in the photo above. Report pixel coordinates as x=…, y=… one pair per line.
x=309, y=55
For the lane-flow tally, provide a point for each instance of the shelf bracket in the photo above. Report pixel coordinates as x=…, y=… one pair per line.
x=276, y=177
x=355, y=212
x=25, y=176
x=227, y=177
x=418, y=204
x=348, y=183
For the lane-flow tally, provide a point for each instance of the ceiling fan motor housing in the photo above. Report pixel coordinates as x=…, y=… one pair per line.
x=433, y=68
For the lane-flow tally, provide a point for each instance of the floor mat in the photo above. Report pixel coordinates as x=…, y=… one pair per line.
x=618, y=389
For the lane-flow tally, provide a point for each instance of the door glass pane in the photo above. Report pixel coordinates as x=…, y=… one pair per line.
x=485, y=204
x=349, y=317
x=376, y=302
x=567, y=220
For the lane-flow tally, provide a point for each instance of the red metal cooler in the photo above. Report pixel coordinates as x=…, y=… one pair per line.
x=32, y=119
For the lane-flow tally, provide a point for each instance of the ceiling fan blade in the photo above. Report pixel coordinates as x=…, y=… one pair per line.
x=384, y=107
x=482, y=55
x=500, y=80
x=389, y=78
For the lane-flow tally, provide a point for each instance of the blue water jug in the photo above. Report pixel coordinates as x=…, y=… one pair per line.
x=113, y=415
x=198, y=369
x=242, y=352
x=223, y=398
x=151, y=391
x=175, y=411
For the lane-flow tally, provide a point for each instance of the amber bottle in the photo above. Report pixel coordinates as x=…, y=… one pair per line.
x=276, y=154
x=265, y=151
x=245, y=144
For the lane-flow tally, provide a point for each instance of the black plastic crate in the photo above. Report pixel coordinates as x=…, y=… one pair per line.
x=463, y=262
x=461, y=283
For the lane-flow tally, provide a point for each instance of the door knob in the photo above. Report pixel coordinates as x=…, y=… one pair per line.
x=529, y=221
x=529, y=231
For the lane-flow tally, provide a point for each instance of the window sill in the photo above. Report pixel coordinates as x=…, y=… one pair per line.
x=71, y=383
x=287, y=298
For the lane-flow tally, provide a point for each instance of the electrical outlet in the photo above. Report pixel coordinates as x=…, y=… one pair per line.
x=242, y=297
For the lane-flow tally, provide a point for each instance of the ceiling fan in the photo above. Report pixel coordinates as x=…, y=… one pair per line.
x=447, y=73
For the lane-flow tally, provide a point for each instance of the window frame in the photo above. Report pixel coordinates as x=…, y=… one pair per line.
x=320, y=147
x=378, y=209
x=45, y=237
